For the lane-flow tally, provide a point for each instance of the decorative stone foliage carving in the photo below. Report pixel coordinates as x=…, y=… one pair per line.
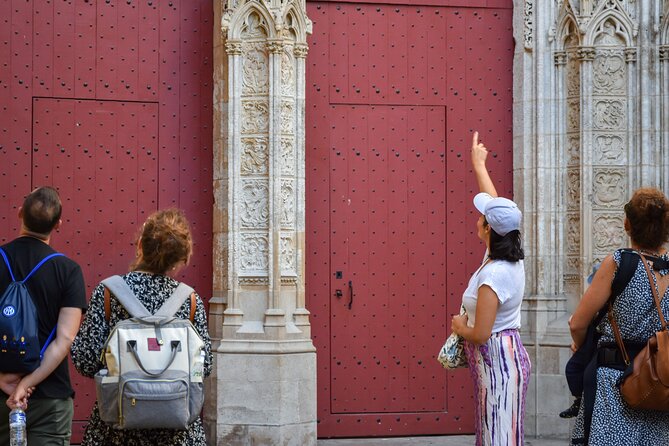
x=288, y=72
x=586, y=53
x=253, y=281
x=287, y=204
x=573, y=77
x=255, y=117
x=233, y=48
x=560, y=57
x=610, y=149
x=255, y=69
x=287, y=156
x=573, y=188
x=609, y=233
x=255, y=156
x=609, y=115
x=573, y=269
x=300, y=51
x=573, y=115
x=609, y=188
x=287, y=117
x=529, y=24
x=573, y=149
x=254, y=204
x=254, y=253
x=288, y=261
x=609, y=74
x=664, y=52
x=573, y=234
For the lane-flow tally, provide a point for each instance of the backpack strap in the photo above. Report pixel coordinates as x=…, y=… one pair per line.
x=4, y=256
x=176, y=300
x=126, y=297
x=193, y=307
x=42, y=262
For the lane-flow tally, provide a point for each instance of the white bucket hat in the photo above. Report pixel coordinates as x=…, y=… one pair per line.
x=502, y=214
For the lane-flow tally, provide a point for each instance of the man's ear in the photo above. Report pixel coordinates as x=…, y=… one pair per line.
x=21, y=213
x=60, y=222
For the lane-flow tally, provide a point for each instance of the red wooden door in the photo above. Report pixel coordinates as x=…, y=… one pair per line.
x=394, y=92
x=109, y=101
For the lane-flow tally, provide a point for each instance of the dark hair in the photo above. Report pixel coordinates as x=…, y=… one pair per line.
x=41, y=210
x=507, y=247
x=165, y=240
x=648, y=215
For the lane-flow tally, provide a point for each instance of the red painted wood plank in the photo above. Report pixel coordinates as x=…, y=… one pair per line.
x=84, y=42
x=106, y=50
x=170, y=59
x=127, y=47
x=147, y=50
x=43, y=49
x=63, y=48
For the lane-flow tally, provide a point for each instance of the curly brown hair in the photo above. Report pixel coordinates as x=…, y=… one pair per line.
x=648, y=216
x=165, y=240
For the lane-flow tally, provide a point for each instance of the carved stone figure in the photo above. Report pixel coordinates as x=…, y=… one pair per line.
x=609, y=233
x=255, y=69
x=255, y=204
x=255, y=117
x=609, y=115
x=609, y=149
x=609, y=74
x=254, y=253
x=609, y=188
x=254, y=156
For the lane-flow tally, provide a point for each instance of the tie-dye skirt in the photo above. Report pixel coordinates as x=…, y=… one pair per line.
x=500, y=369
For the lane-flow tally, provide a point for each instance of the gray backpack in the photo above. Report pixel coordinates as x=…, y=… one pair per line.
x=154, y=374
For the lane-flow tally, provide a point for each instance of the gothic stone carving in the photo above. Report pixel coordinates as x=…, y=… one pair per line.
x=287, y=117
x=609, y=115
x=287, y=255
x=609, y=74
x=287, y=204
x=254, y=156
x=287, y=157
x=254, y=253
x=255, y=117
x=574, y=149
x=528, y=24
x=573, y=115
x=255, y=68
x=609, y=188
x=573, y=188
x=573, y=234
x=254, y=204
x=287, y=73
x=609, y=233
x=610, y=149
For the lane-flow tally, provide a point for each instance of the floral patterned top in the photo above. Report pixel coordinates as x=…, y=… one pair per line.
x=152, y=290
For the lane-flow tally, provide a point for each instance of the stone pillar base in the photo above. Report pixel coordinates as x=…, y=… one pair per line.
x=263, y=398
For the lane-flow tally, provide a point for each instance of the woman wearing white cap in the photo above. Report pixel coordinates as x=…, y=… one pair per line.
x=499, y=364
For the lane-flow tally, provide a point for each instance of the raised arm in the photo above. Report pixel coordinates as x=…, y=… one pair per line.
x=479, y=156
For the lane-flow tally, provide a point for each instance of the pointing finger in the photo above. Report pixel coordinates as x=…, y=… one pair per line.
x=475, y=139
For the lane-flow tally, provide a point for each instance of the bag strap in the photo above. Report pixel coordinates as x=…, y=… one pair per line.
x=38, y=266
x=193, y=303
x=656, y=299
x=176, y=300
x=125, y=296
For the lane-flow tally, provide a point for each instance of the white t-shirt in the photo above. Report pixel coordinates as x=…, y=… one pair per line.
x=507, y=280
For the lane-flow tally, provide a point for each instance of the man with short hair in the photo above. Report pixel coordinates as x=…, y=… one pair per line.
x=58, y=292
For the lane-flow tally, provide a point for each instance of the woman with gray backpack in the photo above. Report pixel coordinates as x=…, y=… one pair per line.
x=145, y=342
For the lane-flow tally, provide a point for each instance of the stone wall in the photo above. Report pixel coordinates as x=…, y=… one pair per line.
x=590, y=126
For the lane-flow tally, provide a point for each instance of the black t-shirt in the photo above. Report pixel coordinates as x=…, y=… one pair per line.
x=58, y=283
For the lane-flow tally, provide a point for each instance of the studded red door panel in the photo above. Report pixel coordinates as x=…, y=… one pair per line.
x=393, y=94
x=110, y=101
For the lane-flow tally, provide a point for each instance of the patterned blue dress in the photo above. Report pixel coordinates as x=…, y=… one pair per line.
x=613, y=421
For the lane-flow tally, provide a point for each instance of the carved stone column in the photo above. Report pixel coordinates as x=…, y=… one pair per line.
x=264, y=386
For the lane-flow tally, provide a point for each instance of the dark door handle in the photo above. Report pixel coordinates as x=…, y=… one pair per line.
x=350, y=289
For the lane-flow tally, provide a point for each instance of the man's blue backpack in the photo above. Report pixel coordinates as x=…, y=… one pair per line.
x=20, y=351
